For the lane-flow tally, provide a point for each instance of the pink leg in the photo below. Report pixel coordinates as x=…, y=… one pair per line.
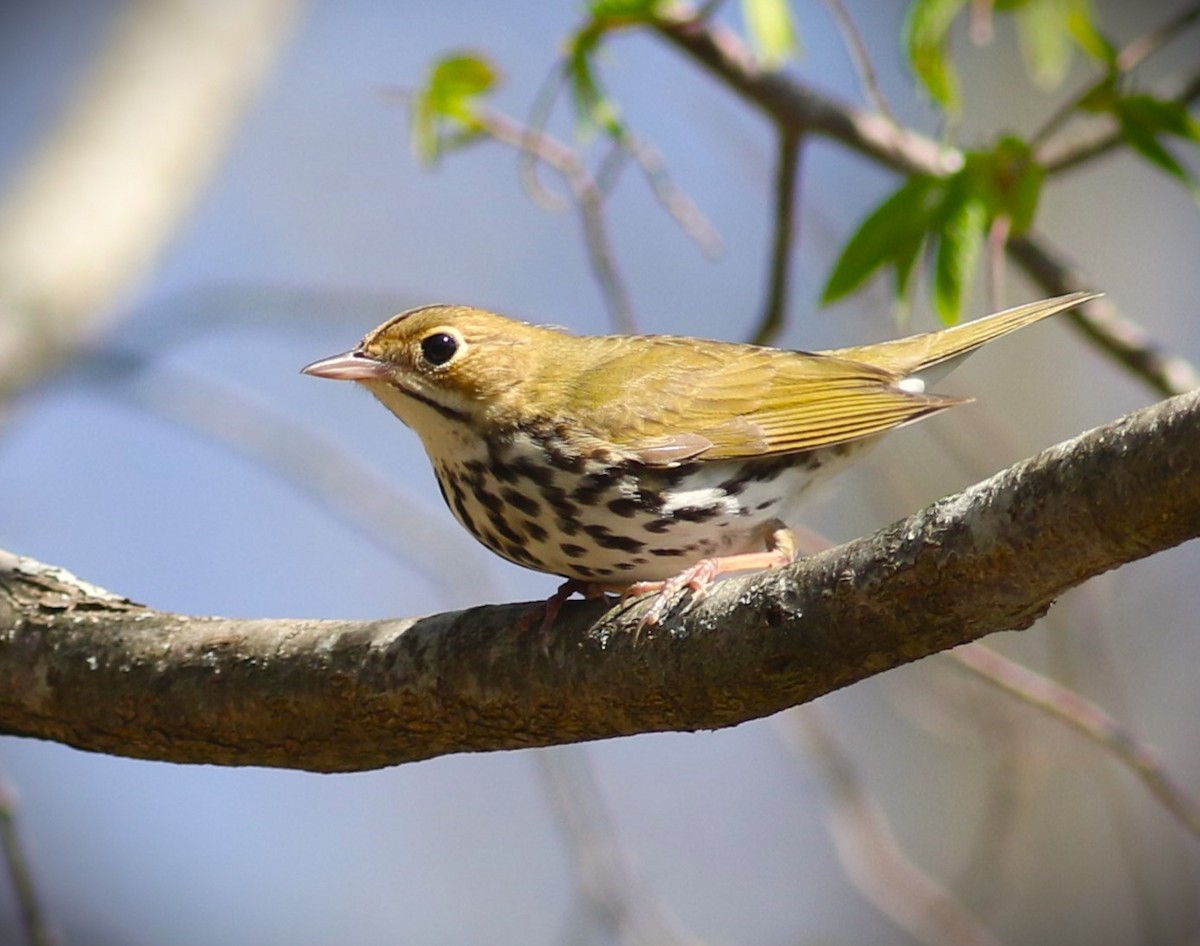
x=781, y=550
x=548, y=610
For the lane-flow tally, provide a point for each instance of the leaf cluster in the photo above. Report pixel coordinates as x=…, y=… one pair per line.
x=940, y=222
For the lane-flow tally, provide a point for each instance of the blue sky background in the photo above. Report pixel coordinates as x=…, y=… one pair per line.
x=319, y=225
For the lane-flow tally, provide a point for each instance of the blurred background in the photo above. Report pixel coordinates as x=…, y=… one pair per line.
x=159, y=441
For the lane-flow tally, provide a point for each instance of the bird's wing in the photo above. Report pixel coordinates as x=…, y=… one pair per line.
x=678, y=399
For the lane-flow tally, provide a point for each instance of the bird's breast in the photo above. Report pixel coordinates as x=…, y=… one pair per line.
x=597, y=517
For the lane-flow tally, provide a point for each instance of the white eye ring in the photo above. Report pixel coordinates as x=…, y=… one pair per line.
x=441, y=346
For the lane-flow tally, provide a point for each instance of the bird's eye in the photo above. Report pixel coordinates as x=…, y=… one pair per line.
x=439, y=347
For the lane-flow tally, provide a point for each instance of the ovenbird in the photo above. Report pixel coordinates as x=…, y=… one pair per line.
x=643, y=462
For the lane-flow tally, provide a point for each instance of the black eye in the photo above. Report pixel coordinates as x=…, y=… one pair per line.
x=439, y=348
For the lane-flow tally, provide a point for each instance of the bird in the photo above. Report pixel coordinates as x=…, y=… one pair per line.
x=644, y=463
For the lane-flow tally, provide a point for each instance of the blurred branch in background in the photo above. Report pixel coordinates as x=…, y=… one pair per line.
x=1085, y=717
x=363, y=498
x=869, y=852
x=36, y=928
x=618, y=901
x=96, y=203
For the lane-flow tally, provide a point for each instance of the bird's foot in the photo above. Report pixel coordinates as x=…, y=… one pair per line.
x=548, y=610
x=700, y=577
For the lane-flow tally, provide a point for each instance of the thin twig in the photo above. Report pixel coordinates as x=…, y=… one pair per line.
x=613, y=894
x=588, y=198
x=528, y=156
x=859, y=54
x=871, y=856
x=1141, y=48
x=674, y=201
x=994, y=269
x=786, y=179
x=1134, y=53
x=1086, y=717
x=1123, y=340
x=37, y=932
x=1085, y=143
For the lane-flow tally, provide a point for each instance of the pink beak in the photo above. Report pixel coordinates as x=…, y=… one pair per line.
x=349, y=366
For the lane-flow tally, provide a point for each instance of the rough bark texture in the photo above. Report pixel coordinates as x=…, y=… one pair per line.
x=90, y=669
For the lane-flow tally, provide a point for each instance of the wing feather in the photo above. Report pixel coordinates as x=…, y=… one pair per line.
x=686, y=399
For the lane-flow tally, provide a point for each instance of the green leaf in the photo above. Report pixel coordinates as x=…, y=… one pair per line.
x=926, y=38
x=457, y=81
x=444, y=109
x=1160, y=116
x=593, y=106
x=1046, y=41
x=1082, y=24
x=962, y=235
x=1144, y=140
x=624, y=10
x=904, y=261
x=772, y=31
x=1008, y=179
x=892, y=233
x=1102, y=97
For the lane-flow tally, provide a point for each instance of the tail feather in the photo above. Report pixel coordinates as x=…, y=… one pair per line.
x=913, y=355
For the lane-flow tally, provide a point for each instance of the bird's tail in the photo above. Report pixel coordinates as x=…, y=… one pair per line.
x=913, y=355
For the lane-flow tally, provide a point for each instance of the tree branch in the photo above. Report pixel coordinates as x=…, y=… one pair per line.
x=93, y=670
x=799, y=107
x=90, y=210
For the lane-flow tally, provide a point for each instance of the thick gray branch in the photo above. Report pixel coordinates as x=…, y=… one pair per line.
x=87, y=668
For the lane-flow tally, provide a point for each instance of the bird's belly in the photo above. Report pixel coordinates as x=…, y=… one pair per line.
x=621, y=523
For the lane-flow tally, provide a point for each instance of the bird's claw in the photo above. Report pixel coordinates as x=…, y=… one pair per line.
x=696, y=578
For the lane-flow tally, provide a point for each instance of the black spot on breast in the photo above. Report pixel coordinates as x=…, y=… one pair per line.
x=696, y=513
x=527, y=504
x=766, y=504
x=734, y=485
x=489, y=500
x=629, y=506
x=534, y=531
x=609, y=540
x=499, y=469
x=763, y=471
x=556, y=496
x=562, y=458
x=676, y=475
x=658, y=526
x=594, y=485
x=625, y=507
x=464, y=516
x=519, y=553
x=667, y=553
x=572, y=551
x=504, y=528
x=540, y=473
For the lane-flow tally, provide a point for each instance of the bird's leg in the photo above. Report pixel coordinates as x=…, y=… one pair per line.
x=548, y=610
x=781, y=550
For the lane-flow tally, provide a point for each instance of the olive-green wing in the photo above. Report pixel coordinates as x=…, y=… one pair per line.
x=666, y=400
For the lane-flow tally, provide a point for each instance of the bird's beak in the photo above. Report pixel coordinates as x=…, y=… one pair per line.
x=349, y=366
